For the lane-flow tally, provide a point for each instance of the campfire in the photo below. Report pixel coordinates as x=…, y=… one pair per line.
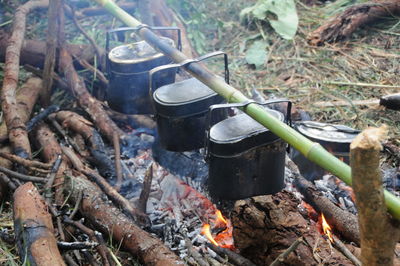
x=177, y=167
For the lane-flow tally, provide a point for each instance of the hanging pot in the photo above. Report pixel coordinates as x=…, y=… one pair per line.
x=245, y=159
x=128, y=69
x=181, y=108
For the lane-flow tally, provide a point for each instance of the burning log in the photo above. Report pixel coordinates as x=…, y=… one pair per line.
x=110, y=220
x=265, y=226
x=342, y=26
x=342, y=221
x=378, y=234
x=16, y=127
x=34, y=228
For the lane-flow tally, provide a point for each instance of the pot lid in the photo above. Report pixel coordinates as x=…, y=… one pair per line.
x=240, y=133
x=186, y=97
x=327, y=132
x=136, y=52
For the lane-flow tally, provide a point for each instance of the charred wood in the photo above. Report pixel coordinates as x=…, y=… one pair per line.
x=342, y=26
x=144, y=194
x=41, y=116
x=112, y=221
x=34, y=228
x=265, y=226
x=233, y=257
x=76, y=245
x=342, y=221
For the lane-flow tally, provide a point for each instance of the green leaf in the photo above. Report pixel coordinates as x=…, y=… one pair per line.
x=256, y=54
x=281, y=14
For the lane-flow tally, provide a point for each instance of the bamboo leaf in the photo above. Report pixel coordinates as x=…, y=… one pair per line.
x=256, y=54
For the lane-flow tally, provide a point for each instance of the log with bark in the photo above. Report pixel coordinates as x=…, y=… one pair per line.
x=17, y=133
x=34, y=229
x=33, y=52
x=379, y=234
x=111, y=221
x=342, y=26
x=265, y=226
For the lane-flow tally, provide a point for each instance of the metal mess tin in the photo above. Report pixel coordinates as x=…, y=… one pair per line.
x=181, y=109
x=245, y=158
x=128, y=69
x=334, y=138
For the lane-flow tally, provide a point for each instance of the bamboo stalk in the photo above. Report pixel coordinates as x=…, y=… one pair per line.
x=311, y=150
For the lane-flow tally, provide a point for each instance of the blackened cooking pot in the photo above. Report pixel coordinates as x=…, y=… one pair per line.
x=245, y=158
x=128, y=69
x=181, y=108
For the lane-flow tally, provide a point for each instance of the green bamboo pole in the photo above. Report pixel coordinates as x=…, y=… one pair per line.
x=311, y=150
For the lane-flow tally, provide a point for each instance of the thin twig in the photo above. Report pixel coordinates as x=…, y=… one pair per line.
x=8, y=182
x=345, y=251
x=232, y=256
x=144, y=194
x=118, y=168
x=281, y=258
x=21, y=176
x=51, y=178
x=25, y=162
x=76, y=207
x=60, y=130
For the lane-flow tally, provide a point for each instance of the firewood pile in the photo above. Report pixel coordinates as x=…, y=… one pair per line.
x=100, y=180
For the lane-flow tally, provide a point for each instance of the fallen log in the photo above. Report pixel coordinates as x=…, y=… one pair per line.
x=33, y=52
x=378, y=234
x=342, y=221
x=342, y=26
x=265, y=226
x=111, y=221
x=17, y=133
x=34, y=229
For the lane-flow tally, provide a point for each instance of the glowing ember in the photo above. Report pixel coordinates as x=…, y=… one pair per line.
x=224, y=237
x=326, y=228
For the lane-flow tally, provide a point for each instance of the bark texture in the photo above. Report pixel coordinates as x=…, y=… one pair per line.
x=34, y=228
x=378, y=235
x=342, y=26
x=92, y=106
x=111, y=221
x=265, y=226
x=17, y=133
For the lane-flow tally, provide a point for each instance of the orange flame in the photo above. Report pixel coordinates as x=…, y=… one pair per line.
x=326, y=228
x=223, y=238
x=207, y=232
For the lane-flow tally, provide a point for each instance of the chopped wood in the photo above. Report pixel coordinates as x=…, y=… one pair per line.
x=341, y=27
x=342, y=221
x=34, y=229
x=17, y=133
x=265, y=226
x=378, y=234
x=111, y=221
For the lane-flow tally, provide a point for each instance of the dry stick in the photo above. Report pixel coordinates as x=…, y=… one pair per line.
x=8, y=181
x=378, y=235
x=60, y=130
x=22, y=176
x=34, y=228
x=94, y=235
x=92, y=106
x=88, y=37
x=281, y=258
x=110, y=220
x=195, y=254
x=51, y=178
x=118, y=168
x=338, y=244
x=76, y=207
x=17, y=133
x=144, y=194
x=94, y=70
x=51, y=46
x=232, y=256
x=25, y=162
x=134, y=213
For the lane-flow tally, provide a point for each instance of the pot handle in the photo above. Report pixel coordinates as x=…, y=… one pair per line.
x=124, y=29
x=212, y=108
x=188, y=62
